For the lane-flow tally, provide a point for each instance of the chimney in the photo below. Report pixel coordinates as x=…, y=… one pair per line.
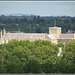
x=46, y=33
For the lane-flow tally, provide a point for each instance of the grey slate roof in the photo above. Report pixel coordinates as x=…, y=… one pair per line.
x=66, y=36
x=35, y=36
x=23, y=36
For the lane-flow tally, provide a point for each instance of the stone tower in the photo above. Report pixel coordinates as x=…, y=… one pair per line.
x=1, y=34
x=4, y=31
x=55, y=30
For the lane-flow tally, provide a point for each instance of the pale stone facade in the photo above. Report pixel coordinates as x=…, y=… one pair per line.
x=55, y=30
x=55, y=36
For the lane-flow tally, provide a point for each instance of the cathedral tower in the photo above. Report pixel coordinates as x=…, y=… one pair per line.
x=55, y=30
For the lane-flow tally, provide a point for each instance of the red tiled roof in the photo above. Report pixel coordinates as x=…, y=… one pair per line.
x=24, y=36
x=66, y=36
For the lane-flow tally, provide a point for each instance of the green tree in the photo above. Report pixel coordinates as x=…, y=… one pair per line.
x=33, y=66
x=69, y=53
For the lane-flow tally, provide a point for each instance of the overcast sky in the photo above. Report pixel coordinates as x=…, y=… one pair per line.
x=42, y=8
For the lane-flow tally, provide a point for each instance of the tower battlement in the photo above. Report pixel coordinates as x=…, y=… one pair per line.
x=55, y=30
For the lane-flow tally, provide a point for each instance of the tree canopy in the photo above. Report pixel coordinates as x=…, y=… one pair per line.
x=39, y=56
x=36, y=24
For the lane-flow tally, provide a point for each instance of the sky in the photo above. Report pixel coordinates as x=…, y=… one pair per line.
x=42, y=8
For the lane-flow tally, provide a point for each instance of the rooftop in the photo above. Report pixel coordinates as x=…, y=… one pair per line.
x=66, y=36
x=52, y=36
x=24, y=35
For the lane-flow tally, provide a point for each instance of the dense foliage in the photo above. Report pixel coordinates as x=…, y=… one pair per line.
x=39, y=56
x=33, y=24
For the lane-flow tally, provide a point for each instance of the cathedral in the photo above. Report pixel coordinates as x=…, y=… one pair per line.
x=55, y=36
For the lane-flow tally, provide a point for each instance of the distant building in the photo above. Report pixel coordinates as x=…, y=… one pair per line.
x=71, y=31
x=55, y=36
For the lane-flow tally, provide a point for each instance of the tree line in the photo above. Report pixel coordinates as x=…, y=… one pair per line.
x=39, y=56
x=34, y=24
